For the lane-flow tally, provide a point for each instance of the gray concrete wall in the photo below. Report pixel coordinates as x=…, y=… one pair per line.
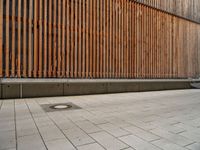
x=14, y=88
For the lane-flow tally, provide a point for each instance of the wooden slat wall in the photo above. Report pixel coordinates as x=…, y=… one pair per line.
x=185, y=8
x=1, y=38
x=95, y=39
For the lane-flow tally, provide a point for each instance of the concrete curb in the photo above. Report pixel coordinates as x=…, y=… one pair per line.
x=30, y=88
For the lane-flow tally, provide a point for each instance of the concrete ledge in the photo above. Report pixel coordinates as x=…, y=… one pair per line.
x=28, y=88
x=41, y=90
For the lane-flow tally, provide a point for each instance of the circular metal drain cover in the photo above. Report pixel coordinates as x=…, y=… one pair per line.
x=60, y=106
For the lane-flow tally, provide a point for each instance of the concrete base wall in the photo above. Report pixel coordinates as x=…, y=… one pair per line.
x=47, y=88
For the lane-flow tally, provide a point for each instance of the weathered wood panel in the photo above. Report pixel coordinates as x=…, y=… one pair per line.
x=96, y=39
x=185, y=8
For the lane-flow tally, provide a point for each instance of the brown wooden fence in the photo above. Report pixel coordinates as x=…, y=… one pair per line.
x=95, y=39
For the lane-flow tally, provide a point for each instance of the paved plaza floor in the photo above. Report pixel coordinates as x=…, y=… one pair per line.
x=163, y=120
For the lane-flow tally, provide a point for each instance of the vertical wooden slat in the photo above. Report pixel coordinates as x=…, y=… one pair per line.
x=80, y=31
x=87, y=37
x=76, y=39
x=40, y=46
x=45, y=25
x=94, y=38
x=121, y=39
x=19, y=40
x=30, y=37
x=1, y=38
x=50, y=33
x=67, y=51
x=172, y=63
x=160, y=44
x=98, y=5
x=142, y=42
x=151, y=43
x=91, y=38
x=83, y=70
x=107, y=39
x=7, y=44
x=59, y=39
x=25, y=39
x=157, y=46
x=55, y=34
x=147, y=47
x=131, y=35
x=135, y=40
x=127, y=48
x=13, y=38
x=125, y=39
x=117, y=41
x=101, y=37
x=64, y=28
x=131, y=11
x=113, y=41
x=84, y=24
x=157, y=41
x=128, y=40
x=171, y=45
x=72, y=31
x=35, y=38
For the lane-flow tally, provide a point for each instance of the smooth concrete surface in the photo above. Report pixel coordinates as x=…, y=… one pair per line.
x=123, y=87
x=42, y=90
x=10, y=91
x=177, y=85
x=84, y=88
x=160, y=120
x=60, y=80
x=28, y=88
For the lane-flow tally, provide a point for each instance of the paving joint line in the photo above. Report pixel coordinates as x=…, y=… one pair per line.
x=36, y=125
x=1, y=104
x=189, y=144
x=86, y=144
x=95, y=132
x=16, y=136
x=47, y=114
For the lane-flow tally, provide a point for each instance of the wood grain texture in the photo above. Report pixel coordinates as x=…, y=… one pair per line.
x=35, y=34
x=30, y=38
x=1, y=38
x=13, y=38
x=19, y=38
x=98, y=39
x=50, y=33
x=24, y=66
x=184, y=8
x=7, y=39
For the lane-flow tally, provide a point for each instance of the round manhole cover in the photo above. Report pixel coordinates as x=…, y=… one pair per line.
x=60, y=106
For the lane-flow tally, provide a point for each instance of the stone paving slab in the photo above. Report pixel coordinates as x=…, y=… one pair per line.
x=162, y=120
